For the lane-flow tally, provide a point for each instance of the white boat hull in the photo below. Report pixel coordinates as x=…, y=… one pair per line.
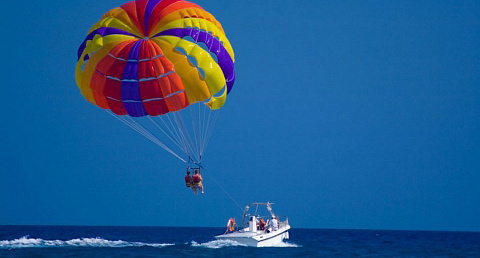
x=259, y=238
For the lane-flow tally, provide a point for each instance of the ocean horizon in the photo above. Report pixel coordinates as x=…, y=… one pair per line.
x=153, y=241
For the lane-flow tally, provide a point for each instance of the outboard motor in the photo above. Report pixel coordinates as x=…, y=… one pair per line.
x=252, y=224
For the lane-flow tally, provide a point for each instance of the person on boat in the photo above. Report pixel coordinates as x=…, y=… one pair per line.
x=273, y=224
x=261, y=224
x=189, y=181
x=197, y=180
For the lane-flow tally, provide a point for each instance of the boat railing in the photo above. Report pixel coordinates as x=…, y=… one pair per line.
x=282, y=221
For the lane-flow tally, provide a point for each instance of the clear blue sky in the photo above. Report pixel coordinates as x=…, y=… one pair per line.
x=346, y=114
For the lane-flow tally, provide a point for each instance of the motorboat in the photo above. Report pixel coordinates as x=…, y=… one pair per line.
x=257, y=230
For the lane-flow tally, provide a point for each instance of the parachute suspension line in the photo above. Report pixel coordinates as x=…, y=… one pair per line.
x=174, y=135
x=184, y=133
x=155, y=139
x=202, y=127
x=136, y=128
x=205, y=128
x=178, y=136
x=185, y=136
x=196, y=120
x=196, y=128
x=141, y=130
x=188, y=133
x=202, y=124
x=194, y=146
x=168, y=134
x=195, y=138
x=178, y=129
x=211, y=127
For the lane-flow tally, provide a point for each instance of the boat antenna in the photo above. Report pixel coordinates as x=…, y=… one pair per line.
x=269, y=208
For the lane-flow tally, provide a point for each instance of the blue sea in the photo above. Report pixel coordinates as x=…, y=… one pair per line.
x=94, y=241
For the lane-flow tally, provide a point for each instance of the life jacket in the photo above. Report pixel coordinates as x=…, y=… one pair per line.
x=188, y=180
x=196, y=179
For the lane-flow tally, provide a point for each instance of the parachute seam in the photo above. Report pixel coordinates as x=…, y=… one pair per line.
x=135, y=80
x=134, y=60
x=146, y=100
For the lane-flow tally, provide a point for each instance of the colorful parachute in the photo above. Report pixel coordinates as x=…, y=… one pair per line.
x=150, y=58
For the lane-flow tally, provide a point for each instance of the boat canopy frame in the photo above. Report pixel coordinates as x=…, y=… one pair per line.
x=268, y=205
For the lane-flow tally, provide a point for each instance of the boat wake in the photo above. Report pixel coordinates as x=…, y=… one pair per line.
x=26, y=242
x=285, y=244
x=215, y=244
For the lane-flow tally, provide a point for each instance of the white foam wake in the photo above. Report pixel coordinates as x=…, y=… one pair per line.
x=285, y=244
x=215, y=244
x=26, y=242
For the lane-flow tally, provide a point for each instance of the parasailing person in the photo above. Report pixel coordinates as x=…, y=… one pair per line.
x=189, y=181
x=197, y=180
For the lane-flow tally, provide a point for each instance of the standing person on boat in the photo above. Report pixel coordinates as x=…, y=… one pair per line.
x=189, y=181
x=273, y=224
x=197, y=180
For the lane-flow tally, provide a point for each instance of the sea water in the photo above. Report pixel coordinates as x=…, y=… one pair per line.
x=92, y=241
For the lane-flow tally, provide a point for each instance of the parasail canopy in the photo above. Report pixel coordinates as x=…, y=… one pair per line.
x=155, y=59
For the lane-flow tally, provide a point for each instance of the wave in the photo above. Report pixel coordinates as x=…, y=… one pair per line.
x=26, y=242
x=215, y=244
